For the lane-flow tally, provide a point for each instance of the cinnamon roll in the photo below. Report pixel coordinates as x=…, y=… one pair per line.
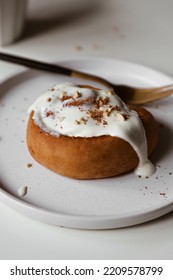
x=86, y=133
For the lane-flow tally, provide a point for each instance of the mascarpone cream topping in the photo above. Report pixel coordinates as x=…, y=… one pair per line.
x=75, y=111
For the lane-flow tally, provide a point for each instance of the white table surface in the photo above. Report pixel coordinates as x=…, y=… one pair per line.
x=135, y=30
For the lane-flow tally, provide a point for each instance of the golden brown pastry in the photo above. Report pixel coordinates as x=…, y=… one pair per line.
x=86, y=133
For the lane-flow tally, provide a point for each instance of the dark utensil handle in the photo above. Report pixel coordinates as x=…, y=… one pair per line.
x=35, y=64
x=52, y=68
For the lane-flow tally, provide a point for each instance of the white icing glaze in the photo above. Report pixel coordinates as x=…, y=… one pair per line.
x=145, y=170
x=68, y=109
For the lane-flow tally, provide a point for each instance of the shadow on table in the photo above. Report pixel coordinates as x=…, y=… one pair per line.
x=62, y=13
x=165, y=140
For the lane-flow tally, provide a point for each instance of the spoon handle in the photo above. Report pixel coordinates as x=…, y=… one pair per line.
x=44, y=66
x=35, y=64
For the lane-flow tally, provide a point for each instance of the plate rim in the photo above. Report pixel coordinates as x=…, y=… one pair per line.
x=111, y=221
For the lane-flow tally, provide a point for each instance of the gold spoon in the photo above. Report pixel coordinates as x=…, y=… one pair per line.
x=130, y=95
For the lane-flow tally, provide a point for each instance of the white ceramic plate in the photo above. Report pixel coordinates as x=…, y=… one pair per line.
x=96, y=204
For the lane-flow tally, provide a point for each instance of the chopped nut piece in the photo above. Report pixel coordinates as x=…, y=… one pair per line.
x=110, y=92
x=98, y=98
x=100, y=101
x=107, y=112
x=82, y=120
x=77, y=94
x=77, y=122
x=126, y=116
x=105, y=100
x=105, y=122
x=62, y=94
x=120, y=117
